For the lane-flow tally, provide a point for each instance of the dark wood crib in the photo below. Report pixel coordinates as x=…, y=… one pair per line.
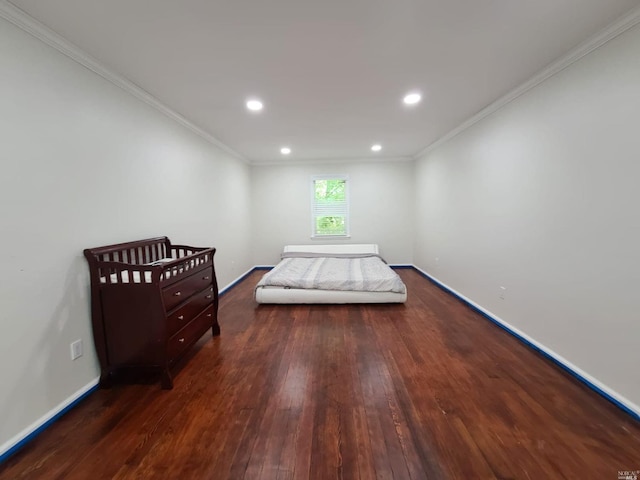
x=150, y=302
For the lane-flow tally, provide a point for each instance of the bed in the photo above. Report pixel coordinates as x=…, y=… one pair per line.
x=353, y=273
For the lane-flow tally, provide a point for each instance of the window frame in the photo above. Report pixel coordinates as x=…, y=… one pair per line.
x=347, y=188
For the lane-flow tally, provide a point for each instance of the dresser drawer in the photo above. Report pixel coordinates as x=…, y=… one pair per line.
x=187, y=312
x=190, y=333
x=177, y=293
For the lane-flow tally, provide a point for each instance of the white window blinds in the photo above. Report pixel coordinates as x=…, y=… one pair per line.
x=329, y=206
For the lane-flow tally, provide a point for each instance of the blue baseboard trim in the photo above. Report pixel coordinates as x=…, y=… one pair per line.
x=242, y=277
x=402, y=267
x=17, y=446
x=635, y=415
x=235, y=282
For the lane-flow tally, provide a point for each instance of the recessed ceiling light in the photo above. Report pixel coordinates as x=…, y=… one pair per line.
x=376, y=148
x=254, y=105
x=412, y=98
x=285, y=150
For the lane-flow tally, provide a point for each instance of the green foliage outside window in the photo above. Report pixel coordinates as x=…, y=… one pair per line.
x=330, y=194
x=330, y=226
x=330, y=191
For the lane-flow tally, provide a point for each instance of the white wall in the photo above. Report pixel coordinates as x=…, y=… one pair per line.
x=85, y=164
x=542, y=197
x=381, y=207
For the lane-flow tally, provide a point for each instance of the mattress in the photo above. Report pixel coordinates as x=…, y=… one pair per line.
x=284, y=295
x=331, y=274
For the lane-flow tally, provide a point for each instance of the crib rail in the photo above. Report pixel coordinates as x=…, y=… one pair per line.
x=189, y=260
x=140, y=252
x=145, y=262
x=178, y=251
x=111, y=273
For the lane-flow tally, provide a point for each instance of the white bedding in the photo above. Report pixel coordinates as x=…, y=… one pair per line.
x=331, y=274
x=367, y=274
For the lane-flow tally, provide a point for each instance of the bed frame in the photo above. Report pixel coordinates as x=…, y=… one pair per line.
x=150, y=302
x=281, y=295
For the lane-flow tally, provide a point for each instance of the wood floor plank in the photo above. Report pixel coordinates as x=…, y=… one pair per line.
x=425, y=390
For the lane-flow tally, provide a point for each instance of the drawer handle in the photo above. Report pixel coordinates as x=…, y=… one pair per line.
x=205, y=278
x=181, y=340
x=208, y=297
x=209, y=314
x=181, y=317
x=177, y=294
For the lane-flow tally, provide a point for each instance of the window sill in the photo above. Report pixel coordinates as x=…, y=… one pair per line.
x=330, y=237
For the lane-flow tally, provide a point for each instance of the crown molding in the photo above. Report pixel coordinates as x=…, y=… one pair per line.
x=24, y=21
x=619, y=26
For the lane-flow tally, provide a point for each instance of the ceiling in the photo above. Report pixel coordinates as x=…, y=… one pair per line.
x=331, y=73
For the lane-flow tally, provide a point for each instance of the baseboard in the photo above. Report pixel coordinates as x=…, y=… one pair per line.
x=401, y=266
x=600, y=388
x=25, y=436
x=235, y=282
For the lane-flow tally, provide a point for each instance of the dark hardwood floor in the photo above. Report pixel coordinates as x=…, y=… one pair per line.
x=425, y=390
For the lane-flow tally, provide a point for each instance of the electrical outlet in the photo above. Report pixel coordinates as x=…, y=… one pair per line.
x=502, y=292
x=76, y=349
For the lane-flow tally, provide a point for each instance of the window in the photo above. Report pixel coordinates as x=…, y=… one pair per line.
x=330, y=206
